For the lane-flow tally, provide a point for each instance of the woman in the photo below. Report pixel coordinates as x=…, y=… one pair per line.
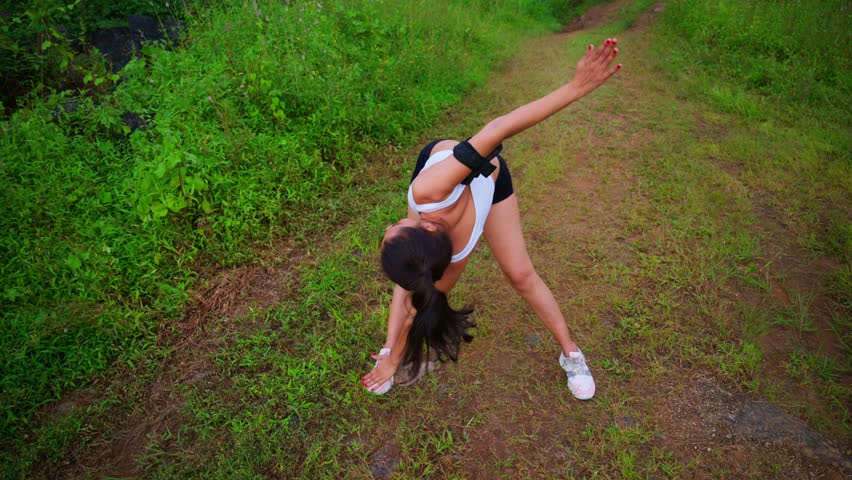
x=459, y=191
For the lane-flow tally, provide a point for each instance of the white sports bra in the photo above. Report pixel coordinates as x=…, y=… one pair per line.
x=482, y=191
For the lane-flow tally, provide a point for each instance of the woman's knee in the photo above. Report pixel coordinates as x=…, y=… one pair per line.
x=522, y=279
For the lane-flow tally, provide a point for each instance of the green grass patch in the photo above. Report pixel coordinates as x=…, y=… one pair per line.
x=773, y=50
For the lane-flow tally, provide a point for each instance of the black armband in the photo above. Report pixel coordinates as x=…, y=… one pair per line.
x=470, y=158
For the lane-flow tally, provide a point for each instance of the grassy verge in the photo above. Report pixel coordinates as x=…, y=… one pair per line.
x=775, y=140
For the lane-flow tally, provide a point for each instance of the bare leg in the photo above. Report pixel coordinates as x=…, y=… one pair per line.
x=503, y=233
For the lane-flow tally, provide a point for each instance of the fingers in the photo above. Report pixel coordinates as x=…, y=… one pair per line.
x=608, y=50
x=371, y=378
x=372, y=382
x=612, y=70
x=605, y=47
x=377, y=376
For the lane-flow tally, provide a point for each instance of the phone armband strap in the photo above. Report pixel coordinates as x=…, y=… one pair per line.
x=470, y=158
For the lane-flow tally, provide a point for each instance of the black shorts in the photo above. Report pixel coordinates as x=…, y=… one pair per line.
x=502, y=186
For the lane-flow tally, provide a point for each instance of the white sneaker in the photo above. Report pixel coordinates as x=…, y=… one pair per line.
x=580, y=380
x=383, y=388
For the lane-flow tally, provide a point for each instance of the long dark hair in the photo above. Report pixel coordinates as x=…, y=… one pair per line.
x=414, y=259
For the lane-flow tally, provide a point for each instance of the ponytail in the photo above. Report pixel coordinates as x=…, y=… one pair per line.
x=413, y=260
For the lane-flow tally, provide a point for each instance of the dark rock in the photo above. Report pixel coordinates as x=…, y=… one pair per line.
x=765, y=423
x=534, y=339
x=70, y=106
x=134, y=121
x=625, y=422
x=150, y=29
x=117, y=45
x=66, y=108
x=171, y=27
x=385, y=461
x=145, y=27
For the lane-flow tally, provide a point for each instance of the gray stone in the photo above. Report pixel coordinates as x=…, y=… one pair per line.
x=765, y=423
x=625, y=422
x=534, y=339
x=385, y=461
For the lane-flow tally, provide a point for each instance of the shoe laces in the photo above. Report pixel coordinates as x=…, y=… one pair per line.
x=576, y=365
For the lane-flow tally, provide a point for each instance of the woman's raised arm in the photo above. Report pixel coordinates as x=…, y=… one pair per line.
x=593, y=69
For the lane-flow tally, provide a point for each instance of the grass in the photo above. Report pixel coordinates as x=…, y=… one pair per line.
x=654, y=215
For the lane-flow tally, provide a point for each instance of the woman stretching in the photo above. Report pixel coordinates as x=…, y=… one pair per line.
x=459, y=191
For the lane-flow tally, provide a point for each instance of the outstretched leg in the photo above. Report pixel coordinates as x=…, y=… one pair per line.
x=503, y=233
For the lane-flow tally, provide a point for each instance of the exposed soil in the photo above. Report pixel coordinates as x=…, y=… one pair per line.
x=594, y=17
x=224, y=294
x=648, y=18
x=706, y=419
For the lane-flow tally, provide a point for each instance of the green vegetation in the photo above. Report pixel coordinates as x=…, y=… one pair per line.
x=680, y=191
x=783, y=50
x=261, y=111
x=772, y=150
x=43, y=42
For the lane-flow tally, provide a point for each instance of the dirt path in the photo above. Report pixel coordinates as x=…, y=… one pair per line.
x=585, y=214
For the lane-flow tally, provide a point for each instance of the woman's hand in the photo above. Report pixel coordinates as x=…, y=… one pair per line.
x=594, y=68
x=381, y=374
